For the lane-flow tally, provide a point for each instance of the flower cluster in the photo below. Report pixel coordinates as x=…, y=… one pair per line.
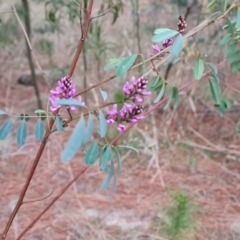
x=166, y=43
x=181, y=24
x=65, y=89
x=130, y=113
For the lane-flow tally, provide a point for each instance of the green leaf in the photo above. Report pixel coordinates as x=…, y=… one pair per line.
x=154, y=84
x=161, y=93
x=22, y=133
x=226, y=39
x=215, y=90
x=177, y=46
x=69, y=102
x=125, y=65
x=170, y=98
x=58, y=124
x=39, y=112
x=113, y=63
x=105, y=158
x=2, y=112
x=103, y=124
x=214, y=16
x=92, y=154
x=163, y=34
x=104, y=95
x=230, y=25
x=212, y=67
x=211, y=4
x=225, y=5
x=5, y=129
x=128, y=147
x=238, y=18
x=232, y=48
x=107, y=180
x=175, y=97
x=235, y=67
x=89, y=130
x=39, y=130
x=198, y=68
x=119, y=160
x=234, y=58
x=75, y=141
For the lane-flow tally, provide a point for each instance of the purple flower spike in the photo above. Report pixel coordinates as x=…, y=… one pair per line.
x=146, y=93
x=137, y=99
x=121, y=128
x=65, y=89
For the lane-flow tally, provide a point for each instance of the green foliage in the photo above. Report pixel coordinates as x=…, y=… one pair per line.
x=177, y=46
x=163, y=34
x=89, y=129
x=104, y=95
x=125, y=65
x=119, y=97
x=69, y=102
x=162, y=91
x=92, y=154
x=107, y=180
x=113, y=63
x=6, y=129
x=173, y=97
x=106, y=158
x=103, y=124
x=179, y=216
x=198, y=68
x=22, y=133
x=75, y=142
x=58, y=124
x=119, y=160
x=39, y=130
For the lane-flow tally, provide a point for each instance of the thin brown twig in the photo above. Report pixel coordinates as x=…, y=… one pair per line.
x=38, y=200
x=29, y=44
x=51, y=203
x=100, y=15
x=7, y=11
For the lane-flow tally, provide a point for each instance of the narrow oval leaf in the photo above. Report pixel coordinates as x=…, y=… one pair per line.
x=169, y=99
x=22, y=133
x=103, y=124
x=105, y=158
x=215, y=90
x=125, y=65
x=161, y=93
x=225, y=5
x=211, y=4
x=69, y=102
x=198, y=68
x=128, y=147
x=230, y=25
x=226, y=39
x=107, y=180
x=177, y=46
x=89, y=130
x=175, y=97
x=161, y=30
x=39, y=130
x=2, y=112
x=214, y=16
x=5, y=129
x=75, y=141
x=238, y=18
x=58, y=124
x=104, y=95
x=164, y=35
x=119, y=160
x=92, y=154
x=212, y=67
x=113, y=63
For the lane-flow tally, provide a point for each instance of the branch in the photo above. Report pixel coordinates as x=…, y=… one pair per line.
x=112, y=143
x=38, y=200
x=44, y=141
x=104, y=12
x=51, y=203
